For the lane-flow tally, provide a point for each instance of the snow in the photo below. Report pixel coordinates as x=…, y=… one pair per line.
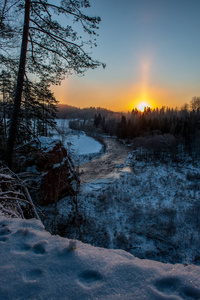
x=152, y=212
x=47, y=143
x=146, y=207
x=81, y=147
x=37, y=265
x=62, y=123
x=83, y=144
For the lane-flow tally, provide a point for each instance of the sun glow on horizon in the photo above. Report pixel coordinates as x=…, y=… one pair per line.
x=142, y=105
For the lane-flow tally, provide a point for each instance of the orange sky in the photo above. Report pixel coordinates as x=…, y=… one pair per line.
x=152, y=53
x=119, y=97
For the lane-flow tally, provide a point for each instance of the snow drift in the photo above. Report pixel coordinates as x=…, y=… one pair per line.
x=37, y=265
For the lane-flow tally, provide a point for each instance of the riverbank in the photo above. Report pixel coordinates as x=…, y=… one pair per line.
x=108, y=166
x=80, y=146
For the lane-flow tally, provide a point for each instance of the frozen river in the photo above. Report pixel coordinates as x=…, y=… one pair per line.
x=109, y=165
x=84, y=149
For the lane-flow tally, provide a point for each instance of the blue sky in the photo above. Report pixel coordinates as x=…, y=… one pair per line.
x=152, y=52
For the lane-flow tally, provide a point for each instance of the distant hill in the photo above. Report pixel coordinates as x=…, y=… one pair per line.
x=71, y=112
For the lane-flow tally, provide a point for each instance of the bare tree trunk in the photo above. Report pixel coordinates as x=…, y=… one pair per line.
x=19, y=88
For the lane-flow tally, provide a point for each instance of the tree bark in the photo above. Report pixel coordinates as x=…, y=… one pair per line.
x=19, y=88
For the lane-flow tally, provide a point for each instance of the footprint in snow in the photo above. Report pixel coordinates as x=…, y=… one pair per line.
x=5, y=231
x=24, y=232
x=37, y=248
x=89, y=278
x=32, y=275
x=40, y=247
x=168, y=285
x=21, y=248
x=172, y=286
x=3, y=239
x=4, y=223
x=191, y=293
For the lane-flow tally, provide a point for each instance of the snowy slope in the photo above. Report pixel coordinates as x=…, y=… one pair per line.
x=36, y=265
x=152, y=212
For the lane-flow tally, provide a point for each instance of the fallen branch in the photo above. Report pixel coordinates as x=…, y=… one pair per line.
x=24, y=188
x=5, y=176
x=8, y=211
x=11, y=192
x=15, y=199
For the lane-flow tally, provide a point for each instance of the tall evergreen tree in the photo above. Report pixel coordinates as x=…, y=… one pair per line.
x=48, y=49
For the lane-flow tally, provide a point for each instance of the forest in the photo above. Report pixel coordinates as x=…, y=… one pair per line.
x=179, y=128
x=37, y=113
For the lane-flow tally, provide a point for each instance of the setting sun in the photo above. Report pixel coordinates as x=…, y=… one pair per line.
x=142, y=105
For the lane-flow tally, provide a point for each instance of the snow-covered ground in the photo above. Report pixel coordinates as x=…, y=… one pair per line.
x=81, y=147
x=36, y=265
x=152, y=212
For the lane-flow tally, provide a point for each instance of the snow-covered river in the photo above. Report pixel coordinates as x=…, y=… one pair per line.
x=109, y=165
x=89, y=154
x=80, y=146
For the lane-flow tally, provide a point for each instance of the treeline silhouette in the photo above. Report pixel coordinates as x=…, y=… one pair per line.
x=160, y=130
x=137, y=123
x=183, y=125
x=72, y=112
x=160, y=121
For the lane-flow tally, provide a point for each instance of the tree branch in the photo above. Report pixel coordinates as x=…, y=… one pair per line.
x=53, y=51
x=32, y=48
x=63, y=42
x=8, y=211
x=44, y=5
x=57, y=7
x=47, y=22
x=55, y=37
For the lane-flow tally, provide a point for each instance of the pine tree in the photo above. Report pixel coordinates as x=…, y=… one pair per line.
x=48, y=49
